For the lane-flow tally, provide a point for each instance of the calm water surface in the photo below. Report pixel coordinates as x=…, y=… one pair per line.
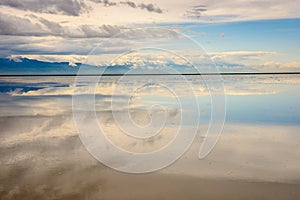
x=257, y=155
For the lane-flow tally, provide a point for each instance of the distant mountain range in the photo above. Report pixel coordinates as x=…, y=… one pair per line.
x=25, y=66
x=29, y=66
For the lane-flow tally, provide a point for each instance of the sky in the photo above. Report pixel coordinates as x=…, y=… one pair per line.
x=237, y=35
x=39, y=144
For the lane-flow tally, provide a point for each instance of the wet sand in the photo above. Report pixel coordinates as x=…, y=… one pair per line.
x=157, y=186
x=107, y=184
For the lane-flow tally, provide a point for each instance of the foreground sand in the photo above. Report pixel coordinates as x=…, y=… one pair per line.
x=43, y=159
x=155, y=186
x=113, y=185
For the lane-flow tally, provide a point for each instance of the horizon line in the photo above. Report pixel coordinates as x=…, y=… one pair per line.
x=162, y=74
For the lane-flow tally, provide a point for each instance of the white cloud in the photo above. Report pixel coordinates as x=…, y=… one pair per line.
x=241, y=60
x=279, y=66
x=241, y=10
x=67, y=7
x=62, y=32
x=54, y=58
x=32, y=25
x=88, y=12
x=241, y=55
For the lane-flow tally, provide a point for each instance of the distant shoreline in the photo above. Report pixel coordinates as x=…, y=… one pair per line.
x=165, y=74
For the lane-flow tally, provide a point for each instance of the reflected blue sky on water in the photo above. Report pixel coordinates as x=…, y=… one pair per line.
x=259, y=141
x=249, y=99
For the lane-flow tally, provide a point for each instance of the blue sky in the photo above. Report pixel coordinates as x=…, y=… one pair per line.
x=238, y=35
x=280, y=35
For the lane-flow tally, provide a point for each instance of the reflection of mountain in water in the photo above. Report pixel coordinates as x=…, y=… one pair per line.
x=29, y=66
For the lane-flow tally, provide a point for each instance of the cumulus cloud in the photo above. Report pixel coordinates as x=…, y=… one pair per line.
x=67, y=7
x=147, y=6
x=150, y=7
x=31, y=25
x=254, y=61
x=279, y=66
x=37, y=26
x=243, y=59
x=195, y=11
x=241, y=54
x=52, y=27
x=224, y=11
x=107, y=3
x=10, y=24
x=87, y=11
x=129, y=3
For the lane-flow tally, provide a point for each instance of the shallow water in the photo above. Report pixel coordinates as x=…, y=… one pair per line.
x=256, y=156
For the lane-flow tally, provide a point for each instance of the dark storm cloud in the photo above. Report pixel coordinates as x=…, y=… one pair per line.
x=67, y=7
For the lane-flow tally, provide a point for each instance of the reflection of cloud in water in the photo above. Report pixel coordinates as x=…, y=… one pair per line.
x=248, y=151
x=43, y=158
x=234, y=85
